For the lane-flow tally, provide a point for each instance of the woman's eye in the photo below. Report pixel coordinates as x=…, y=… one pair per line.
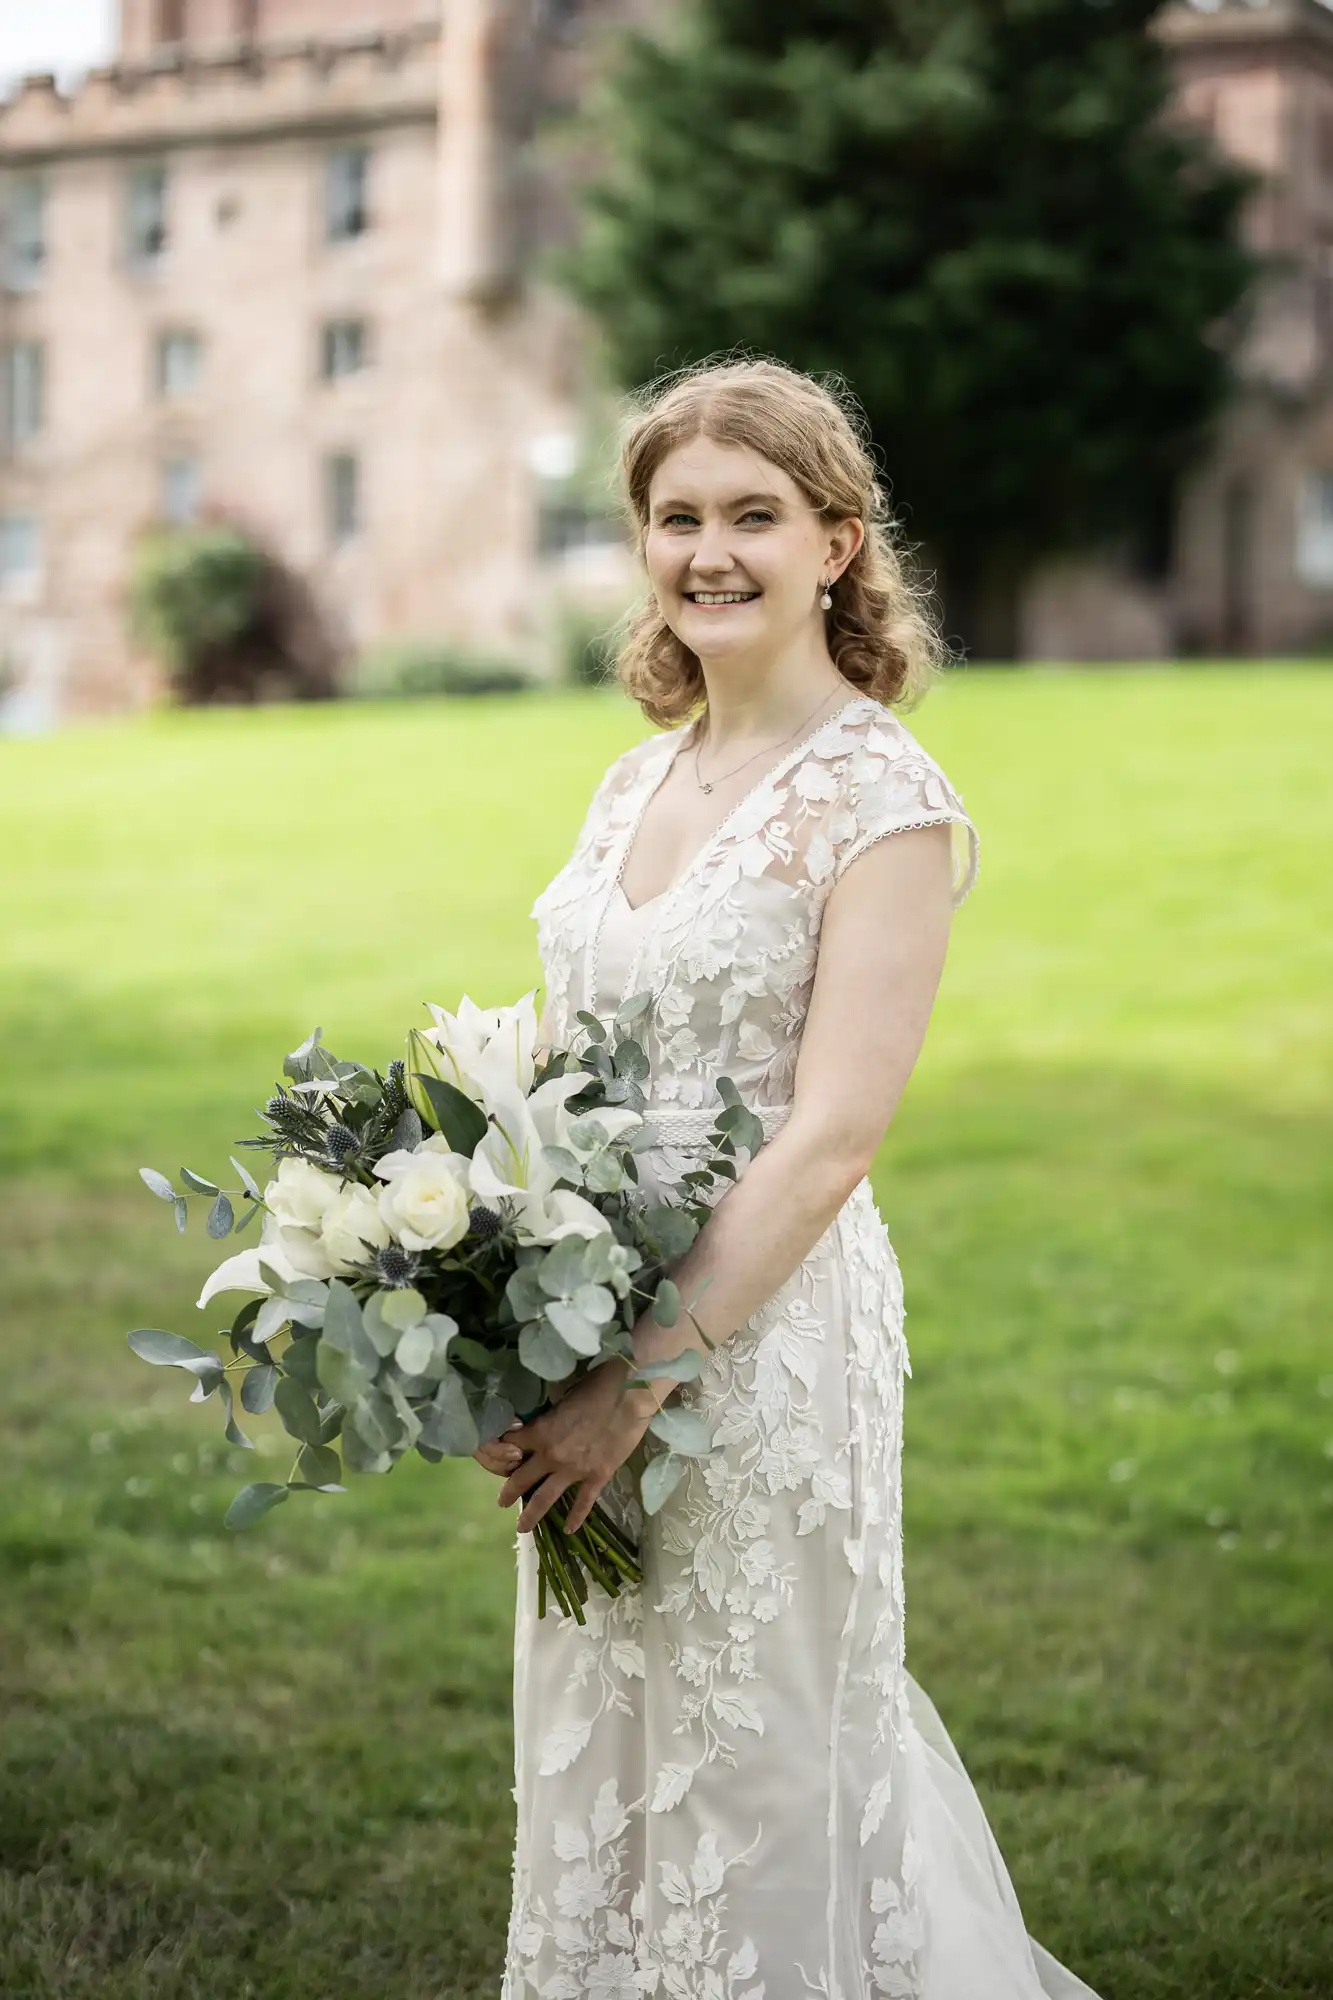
x=670, y=520
x=760, y=514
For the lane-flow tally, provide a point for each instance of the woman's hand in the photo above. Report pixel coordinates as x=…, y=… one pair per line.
x=580, y=1442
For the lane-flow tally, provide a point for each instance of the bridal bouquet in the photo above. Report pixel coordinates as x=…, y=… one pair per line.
x=446, y=1247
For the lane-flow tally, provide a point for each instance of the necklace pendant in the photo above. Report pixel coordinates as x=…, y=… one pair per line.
x=708, y=787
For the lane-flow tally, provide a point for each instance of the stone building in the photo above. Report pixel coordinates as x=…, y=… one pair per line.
x=283, y=258
x=278, y=260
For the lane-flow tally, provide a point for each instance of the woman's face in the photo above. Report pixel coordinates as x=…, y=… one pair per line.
x=736, y=554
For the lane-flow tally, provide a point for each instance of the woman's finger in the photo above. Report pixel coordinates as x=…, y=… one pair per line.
x=498, y=1457
x=546, y=1495
x=522, y=1479
x=588, y=1492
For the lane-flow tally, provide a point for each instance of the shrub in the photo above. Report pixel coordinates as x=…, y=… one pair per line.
x=429, y=667
x=587, y=651
x=227, y=618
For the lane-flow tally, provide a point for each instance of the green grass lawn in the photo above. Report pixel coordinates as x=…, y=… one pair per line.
x=277, y=1767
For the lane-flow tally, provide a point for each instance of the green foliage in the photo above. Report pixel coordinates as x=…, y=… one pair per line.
x=435, y=668
x=974, y=211
x=588, y=646
x=194, y=588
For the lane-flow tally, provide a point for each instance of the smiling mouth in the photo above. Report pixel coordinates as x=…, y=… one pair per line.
x=711, y=598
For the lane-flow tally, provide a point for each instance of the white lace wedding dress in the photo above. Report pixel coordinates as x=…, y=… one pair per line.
x=728, y=1787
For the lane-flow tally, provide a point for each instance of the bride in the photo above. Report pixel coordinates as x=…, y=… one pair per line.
x=728, y=1786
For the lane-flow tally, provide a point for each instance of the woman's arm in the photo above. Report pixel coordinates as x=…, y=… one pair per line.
x=882, y=945
x=881, y=953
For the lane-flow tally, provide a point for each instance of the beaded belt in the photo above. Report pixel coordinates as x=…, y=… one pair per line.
x=675, y=1127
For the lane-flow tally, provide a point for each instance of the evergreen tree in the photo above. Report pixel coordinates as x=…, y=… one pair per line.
x=975, y=210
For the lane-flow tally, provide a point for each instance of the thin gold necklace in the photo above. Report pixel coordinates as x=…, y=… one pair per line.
x=706, y=785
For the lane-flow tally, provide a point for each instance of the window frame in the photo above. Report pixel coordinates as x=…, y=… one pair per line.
x=16, y=353
x=139, y=254
x=343, y=524
x=347, y=215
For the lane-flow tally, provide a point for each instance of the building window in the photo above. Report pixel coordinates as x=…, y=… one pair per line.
x=146, y=213
x=344, y=348
x=345, y=193
x=20, y=555
x=342, y=497
x=169, y=23
x=1314, y=530
x=182, y=490
x=25, y=391
x=178, y=363
x=25, y=231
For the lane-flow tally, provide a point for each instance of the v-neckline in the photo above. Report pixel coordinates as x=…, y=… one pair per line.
x=710, y=840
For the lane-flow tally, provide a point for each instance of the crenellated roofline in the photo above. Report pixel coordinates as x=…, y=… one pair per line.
x=234, y=95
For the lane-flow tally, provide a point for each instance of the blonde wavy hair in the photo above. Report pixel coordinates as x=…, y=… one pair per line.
x=882, y=632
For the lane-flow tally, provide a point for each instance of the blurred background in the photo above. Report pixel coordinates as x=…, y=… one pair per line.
x=315, y=317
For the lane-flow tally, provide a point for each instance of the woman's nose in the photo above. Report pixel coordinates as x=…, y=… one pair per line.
x=712, y=552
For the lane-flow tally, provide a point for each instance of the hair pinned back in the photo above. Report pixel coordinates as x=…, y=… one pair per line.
x=881, y=632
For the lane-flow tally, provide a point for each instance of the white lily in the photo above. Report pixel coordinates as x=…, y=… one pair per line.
x=486, y=1049
x=509, y=1162
x=241, y=1272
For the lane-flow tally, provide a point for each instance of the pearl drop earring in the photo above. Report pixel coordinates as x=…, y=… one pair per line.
x=826, y=601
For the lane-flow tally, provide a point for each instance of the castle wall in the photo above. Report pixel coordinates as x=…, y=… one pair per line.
x=440, y=422
x=207, y=25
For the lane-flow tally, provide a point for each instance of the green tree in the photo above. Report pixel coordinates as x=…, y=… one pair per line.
x=976, y=211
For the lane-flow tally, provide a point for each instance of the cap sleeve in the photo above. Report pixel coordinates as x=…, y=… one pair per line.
x=890, y=785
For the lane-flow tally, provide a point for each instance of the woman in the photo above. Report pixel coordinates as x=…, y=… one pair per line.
x=727, y=1785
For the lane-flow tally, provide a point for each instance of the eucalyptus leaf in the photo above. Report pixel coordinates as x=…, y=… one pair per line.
x=727, y=1091
x=253, y=1209
x=661, y=1477
x=561, y=1161
x=409, y=1423
x=344, y=1376
x=301, y=1362
x=252, y=1503
x=344, y=1327
x=448, y=1424
x=247, y=1179
x=296, y=1407
x=666, y=1303
x=563, y=1272
x=525, y=1293
x=584, y=1335
x=671, y=1230
x=541, y=1349
x=521, y=1387
x=375, y=1421
x=182, y=1211
x=630, y=1010
x=359, y=1457
x=604, y=1174
x=274, y=1315
x=415, y=1348
x=596, y=1031
x=206, y=1381
x=221, y=1216
x=298, y=1065
x=631, y=1061
x=403, y=1308
x=684, y=1430
x=320, y=1467
x=157, y=1184
x=430, y=1454
x=382, y=1334
x=198, y=1183
x=232, y=1430
x=683, y=1367
x=595, y=1302
x=170, y=1350
x=497, y=1414
x=258, y=1386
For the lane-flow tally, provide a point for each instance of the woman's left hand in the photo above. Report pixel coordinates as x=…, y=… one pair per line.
x=580, y=1442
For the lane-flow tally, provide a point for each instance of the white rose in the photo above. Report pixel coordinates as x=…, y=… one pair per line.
x=353, y=1226
x=426, y=1203
x=302, y=1195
